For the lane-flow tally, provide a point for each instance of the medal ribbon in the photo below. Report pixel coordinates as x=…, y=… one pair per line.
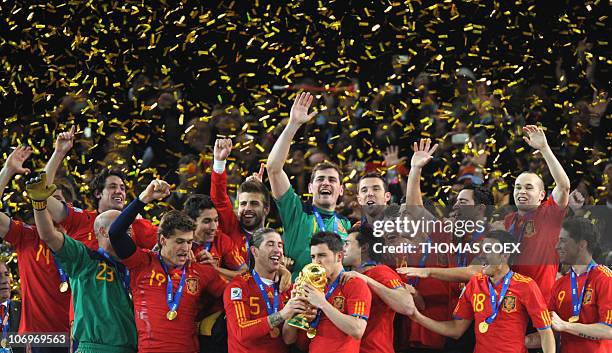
x=577, y=304
x=495, y=304
x=125, y=273
x=463, y=255
x=328, y=295
x=415, y=281
x=264, y=294
x=321, y=224
x=60, y=271
x=173, y=300
x=247, y=244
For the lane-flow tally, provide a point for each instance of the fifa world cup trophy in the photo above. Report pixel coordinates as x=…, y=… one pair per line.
x=314, y=275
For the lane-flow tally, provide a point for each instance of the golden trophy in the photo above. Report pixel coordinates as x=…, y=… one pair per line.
x=314, y=275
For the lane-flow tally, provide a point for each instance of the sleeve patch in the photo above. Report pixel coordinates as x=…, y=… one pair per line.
x=236, y=294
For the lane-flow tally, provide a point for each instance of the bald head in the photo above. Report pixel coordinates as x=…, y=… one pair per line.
x=104, y=221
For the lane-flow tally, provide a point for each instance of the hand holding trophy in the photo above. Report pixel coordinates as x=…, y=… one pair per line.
x=314, y=275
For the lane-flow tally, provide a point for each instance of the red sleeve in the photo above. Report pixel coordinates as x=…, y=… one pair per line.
x=464, y=309
x=240, y=323
x=145, y=233
x=140, y=259
x=77, y=219
x=536, y=306
x=19, y=232
x=231, y=257
x=603, y=286
x=228, y=221
x=215, y=284
x=359, y=298
x=386, y=276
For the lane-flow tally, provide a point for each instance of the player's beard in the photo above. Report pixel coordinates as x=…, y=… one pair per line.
x=253, y=223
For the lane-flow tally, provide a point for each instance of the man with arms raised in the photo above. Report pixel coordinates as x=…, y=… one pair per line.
x=253, y=201
x=536, y=223
x=390, y=294
x=344, y=308
x=167, y=288
x=581, y=300
x=45, y=297
x=299, y=222
x=254, y=303
x=104, y=320
x=373, y=196
x=500, y=302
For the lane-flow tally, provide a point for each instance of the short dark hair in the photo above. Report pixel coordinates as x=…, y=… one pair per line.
x=174, y=220
x=98, y=183
x=374, y=175
x=326, y=165
x=482, y=196
x=580, y=228
x=365, y=236
x=256, y=187
x=333, y=241
x=197, y=203
x=503, y=237
x=256, y=240
x=66, y=191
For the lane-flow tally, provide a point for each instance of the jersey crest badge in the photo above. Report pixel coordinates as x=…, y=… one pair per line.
x=588, y=297
x=530, y=228
x=192, y=285
x=236, y=294
x=338, y=303
x=509, y=304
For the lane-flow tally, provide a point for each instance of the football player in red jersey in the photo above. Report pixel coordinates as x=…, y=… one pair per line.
x=253, y=200
x=45, y=297
x=501, y=303
x=390, y=294
x=581, y=300
x=254, y=304
x=536, y=223
x=344, y=308
x=108, y=191
x=167, y=288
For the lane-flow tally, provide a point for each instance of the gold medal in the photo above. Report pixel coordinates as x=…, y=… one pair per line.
x=63, y=287
x=573, y=319
x=4, y=343
x=311, y=333
x=171, y=315
x=483, y=327
x=275, y=332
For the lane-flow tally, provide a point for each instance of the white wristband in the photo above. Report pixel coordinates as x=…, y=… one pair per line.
x=219, y=166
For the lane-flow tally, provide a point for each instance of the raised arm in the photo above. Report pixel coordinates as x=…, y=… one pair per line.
x=13, y=165
x=423, y=153
x=122, y=243
x=39, y=192
x=218, y=189
x=279, y=181
x=63, y=144
x=537, y=139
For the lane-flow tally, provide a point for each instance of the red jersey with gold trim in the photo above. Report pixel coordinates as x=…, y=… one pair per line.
x=596, y=308
x=378, y=336
x=247, y=317
x=44, y=308
x=523, y=301
x=353, y=298
x=435, y=293
x=79, y=225
x=228, y=221
x=148, y=282
x=224, y=251
x=538, y=258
